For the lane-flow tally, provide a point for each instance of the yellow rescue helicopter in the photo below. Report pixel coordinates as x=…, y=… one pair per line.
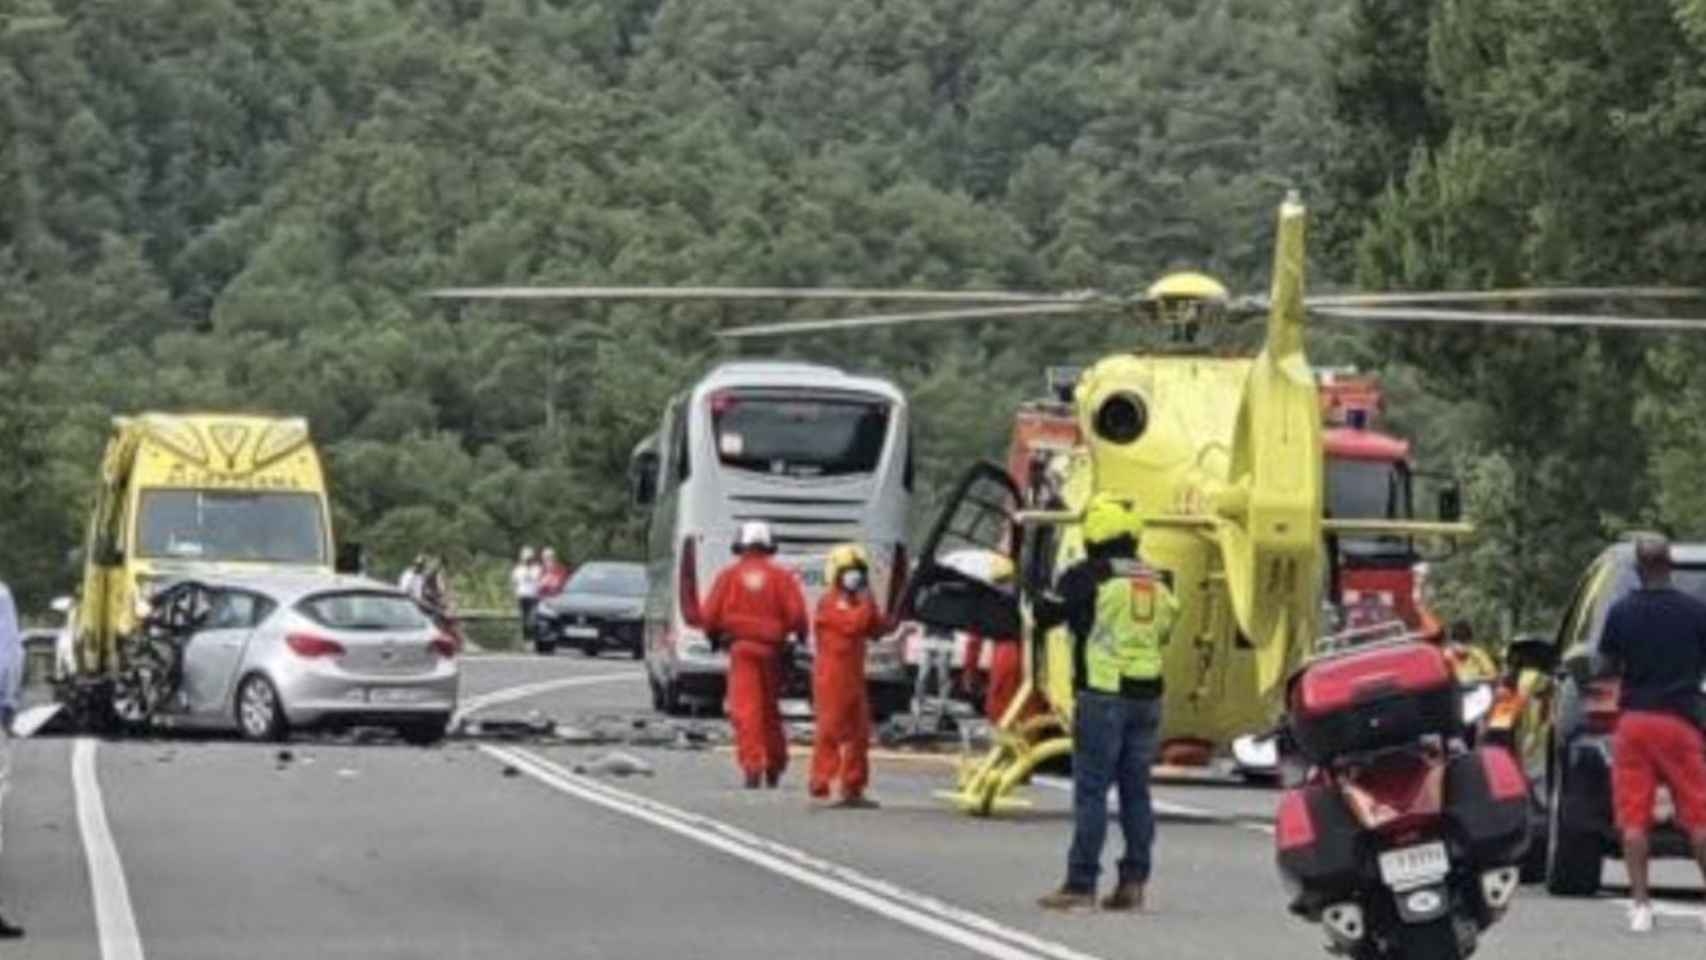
x=1223, y=455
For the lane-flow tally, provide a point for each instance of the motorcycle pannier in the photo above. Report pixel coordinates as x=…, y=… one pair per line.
x=1372, y=698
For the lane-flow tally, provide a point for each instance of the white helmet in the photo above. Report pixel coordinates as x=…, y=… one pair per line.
x=754, y=535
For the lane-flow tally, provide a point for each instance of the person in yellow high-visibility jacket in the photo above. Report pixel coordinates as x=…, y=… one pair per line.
x=1121, y=615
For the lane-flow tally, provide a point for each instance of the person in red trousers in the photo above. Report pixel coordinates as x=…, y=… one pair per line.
x=847, y=619
x=755, y=605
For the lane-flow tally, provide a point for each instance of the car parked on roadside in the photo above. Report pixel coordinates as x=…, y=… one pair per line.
x=266, y=654
x=603, y=607
x=1568, y=746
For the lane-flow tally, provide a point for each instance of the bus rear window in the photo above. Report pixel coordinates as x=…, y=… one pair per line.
x=810, y=436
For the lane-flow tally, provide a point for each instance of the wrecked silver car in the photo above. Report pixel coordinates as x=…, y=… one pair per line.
x=267, y=654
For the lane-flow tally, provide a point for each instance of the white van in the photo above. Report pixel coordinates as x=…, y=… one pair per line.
x=823, y=457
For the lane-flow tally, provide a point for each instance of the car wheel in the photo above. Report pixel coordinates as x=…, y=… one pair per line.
x=260, y=712
x=424, y=733
x=1574, y=860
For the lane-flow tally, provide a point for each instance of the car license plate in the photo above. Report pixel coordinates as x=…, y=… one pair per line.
x=396, y=695
x=1409, y=867
x=581, y=633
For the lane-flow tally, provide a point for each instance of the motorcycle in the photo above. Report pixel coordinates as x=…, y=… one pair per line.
x=1403, y=840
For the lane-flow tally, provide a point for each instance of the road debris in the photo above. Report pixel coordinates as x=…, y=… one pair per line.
x=615, y=764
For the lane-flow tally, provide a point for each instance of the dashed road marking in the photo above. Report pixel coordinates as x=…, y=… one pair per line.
x=1665, y=908
x=114, y=918
x=923, y=913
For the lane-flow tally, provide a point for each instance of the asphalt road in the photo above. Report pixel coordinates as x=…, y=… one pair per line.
x=214, y=849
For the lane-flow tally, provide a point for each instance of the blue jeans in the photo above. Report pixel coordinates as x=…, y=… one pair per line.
x=1113, y=744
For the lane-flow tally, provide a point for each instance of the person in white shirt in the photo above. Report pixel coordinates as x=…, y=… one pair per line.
x=524, y=580
x=413, y=578
x=11, y=680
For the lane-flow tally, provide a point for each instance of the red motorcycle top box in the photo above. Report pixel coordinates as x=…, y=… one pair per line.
x=1371, y=698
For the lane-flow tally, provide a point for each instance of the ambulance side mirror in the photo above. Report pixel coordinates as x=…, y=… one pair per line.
x=352, y=558
x=1450, y=503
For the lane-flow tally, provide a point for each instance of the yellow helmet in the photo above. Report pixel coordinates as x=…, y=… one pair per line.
x=842, y=557
x=1109, y=517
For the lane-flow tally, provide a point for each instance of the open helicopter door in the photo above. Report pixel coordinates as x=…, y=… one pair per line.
x=952, y=588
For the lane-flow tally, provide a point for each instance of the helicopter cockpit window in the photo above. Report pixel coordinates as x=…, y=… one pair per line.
x=1122, y=418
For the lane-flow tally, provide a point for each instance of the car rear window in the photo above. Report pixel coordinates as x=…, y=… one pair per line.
x=1690, y=580
x=363, y=610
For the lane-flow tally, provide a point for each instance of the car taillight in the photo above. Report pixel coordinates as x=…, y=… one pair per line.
x=1293, y=827
x=897, y=581
x=444, y=647
x=310, y=646
x=1505, y=780
x=689, y=584
x=1599, y=704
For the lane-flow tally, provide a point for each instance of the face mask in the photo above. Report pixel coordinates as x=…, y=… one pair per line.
x=853, y=581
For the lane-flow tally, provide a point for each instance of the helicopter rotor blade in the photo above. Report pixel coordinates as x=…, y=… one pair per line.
x=1516, y=295
x=684, y=294
x=893, y=319
x=1510, y=318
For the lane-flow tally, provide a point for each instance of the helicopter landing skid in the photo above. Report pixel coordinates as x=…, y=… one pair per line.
x=986, y=785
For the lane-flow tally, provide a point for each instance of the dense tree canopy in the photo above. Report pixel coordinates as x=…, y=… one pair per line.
x=237, y=204
x=1551, y=143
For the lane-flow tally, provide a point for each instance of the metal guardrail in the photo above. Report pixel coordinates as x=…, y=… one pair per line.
x=485, y=616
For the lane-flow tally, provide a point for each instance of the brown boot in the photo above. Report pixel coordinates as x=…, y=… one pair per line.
x=1067, y=899
x=1126, y=898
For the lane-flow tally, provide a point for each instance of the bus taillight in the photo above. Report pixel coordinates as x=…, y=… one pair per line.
x=689, y=583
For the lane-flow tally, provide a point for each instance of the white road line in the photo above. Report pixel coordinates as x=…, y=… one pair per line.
x=927, y=914
x=1167, y=807
x=522, y=692
x=1665, y=908
x=113, y=915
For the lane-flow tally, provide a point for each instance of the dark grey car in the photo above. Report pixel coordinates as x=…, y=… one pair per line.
x=1574, y=736
x=602, y=607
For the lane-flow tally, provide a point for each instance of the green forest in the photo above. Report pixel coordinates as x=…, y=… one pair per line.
x=237, y=204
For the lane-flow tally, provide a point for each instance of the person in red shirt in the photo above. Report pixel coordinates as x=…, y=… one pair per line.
x=755, y=605
x=847, y=618
x=554, y=575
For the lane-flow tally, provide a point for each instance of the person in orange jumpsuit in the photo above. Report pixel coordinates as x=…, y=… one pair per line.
x=756, y=605
x=847, y=618
x=1006, y=656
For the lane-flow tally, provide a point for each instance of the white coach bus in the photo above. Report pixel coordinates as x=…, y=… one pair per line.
x=822, y=456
